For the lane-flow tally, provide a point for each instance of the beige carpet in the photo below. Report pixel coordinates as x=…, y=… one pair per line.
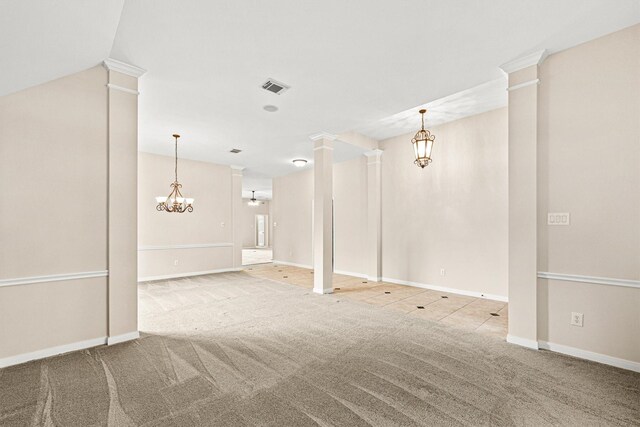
x=236, y=350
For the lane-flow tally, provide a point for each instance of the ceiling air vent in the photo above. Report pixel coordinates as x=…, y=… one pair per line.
x=275, y=86
x=235, y=151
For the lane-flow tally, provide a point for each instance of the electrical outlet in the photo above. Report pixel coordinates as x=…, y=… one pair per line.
x=442, y=271
x=561, y=218
x=222, y=224
x=577, y=319
x=175, y=262
x=275, y=224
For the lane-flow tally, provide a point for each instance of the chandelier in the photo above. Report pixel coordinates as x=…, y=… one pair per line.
x=253, y=201
x=175, y=201
x=423, y=144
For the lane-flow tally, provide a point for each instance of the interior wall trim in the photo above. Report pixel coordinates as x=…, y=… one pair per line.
x=116, y=339
x=293, y=264
x=53, y=278
x=523, y=342
x=589, y=355
x=51, y=351
x=351, y=273
x=627, y=283
x=123, y=89
x=475, y=294
x=189, y=274
x=524, y=84
x=193, y=246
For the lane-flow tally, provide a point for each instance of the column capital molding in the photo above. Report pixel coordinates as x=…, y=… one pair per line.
x=374, y=153
x=122, y=67
x=323, y=135
x=236, y=170
x=535, y=58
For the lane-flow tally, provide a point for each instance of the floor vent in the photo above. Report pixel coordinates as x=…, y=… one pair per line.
x=444, y=296
x=275, y=87
x=235, y=150
x=387, y=292
x=494, y=314
x=421, y=307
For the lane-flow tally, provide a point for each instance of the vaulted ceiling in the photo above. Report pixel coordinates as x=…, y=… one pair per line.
x=352, y=65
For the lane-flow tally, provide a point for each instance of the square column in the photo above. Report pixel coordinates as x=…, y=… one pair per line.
x=323, y=213
x=122, y=232
x=373, y=265
x=523, y=198
x=236, y=214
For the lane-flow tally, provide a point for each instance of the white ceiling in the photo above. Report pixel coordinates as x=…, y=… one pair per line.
x=352, y=65
x=42, y=40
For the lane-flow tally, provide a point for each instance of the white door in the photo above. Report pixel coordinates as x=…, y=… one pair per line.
x=260, y=228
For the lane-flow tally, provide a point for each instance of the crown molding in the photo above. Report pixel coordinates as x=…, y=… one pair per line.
x=374, y=153
x=535, y=58
x=122, y=89
x=323, y=135
x=236, y=167
x=122, y=67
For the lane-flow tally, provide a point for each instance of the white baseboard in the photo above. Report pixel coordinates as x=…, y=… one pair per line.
x=350, y=273
x=524, y=342
x=122, y=338
x=51, y=351
x=293, y=264
x=589, y=355
x=446, y=289
x=193, y=273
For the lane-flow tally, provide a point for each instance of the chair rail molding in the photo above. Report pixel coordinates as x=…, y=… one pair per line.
x=628, y=283
x=53, y=278
x=190, y=246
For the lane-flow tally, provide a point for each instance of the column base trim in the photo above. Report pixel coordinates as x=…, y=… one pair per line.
x=322, y=291
x=523, y=342
x=129, y=336
x=51, y=351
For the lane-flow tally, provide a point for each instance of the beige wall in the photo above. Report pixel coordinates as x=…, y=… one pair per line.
x=350, y=216
x=54, y=148
x=291, y=218
x=210, y=223
x=249, y=222
x=453, y=213
x=589, y=166
x=291, y=207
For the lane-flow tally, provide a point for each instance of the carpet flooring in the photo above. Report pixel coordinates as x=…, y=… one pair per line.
x=236, y=350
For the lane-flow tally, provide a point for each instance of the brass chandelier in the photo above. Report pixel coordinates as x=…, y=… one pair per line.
x=423, y=144
x=175, y=201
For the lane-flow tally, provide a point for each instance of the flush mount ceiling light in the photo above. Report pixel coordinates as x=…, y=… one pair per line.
x=270, y=108
x=175, y=201
x=423, y=144
x=253, y=201
x=299, y=162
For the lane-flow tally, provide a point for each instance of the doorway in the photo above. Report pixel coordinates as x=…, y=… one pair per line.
x=261, y=236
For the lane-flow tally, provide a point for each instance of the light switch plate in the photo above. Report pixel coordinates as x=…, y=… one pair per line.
x=559, y=218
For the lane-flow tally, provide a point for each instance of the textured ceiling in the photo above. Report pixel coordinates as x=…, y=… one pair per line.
x=352, y=65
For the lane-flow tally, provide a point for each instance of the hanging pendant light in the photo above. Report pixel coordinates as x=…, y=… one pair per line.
x=423, y=144
x=175, y=201
x=253, y=201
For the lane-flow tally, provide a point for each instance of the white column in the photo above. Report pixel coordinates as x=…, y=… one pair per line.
x=236, y=215
x=523, y=146
x=323, y=213
x=374, y=222
x=122, y=234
